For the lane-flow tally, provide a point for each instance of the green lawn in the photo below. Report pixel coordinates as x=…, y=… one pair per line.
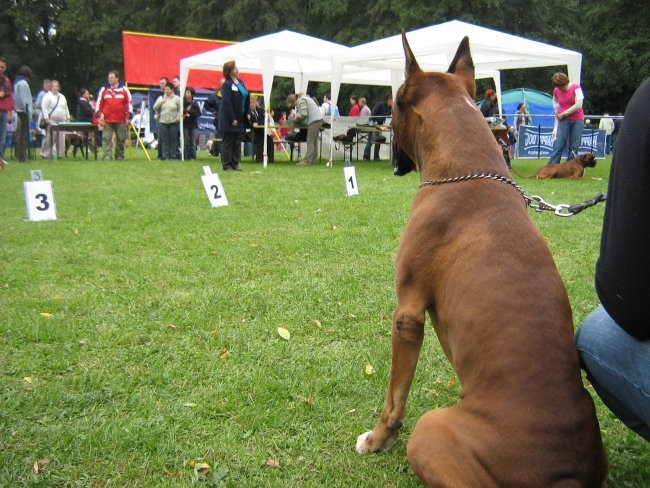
x=139, y=331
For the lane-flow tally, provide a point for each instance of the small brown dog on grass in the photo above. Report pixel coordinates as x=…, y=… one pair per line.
x=75, y=141
x=473, y=259
x=573, y=168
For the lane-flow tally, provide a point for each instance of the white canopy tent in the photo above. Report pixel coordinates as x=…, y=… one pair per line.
x=285, y=53
x=434, y=48
x=305, y=58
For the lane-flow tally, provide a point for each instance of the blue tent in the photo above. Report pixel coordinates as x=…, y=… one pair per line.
x=538, y=104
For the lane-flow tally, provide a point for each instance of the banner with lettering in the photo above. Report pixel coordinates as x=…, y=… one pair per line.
x=537, y=142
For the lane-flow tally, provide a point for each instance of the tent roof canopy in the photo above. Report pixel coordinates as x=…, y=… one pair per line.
x=290, y=52
x=305, y=58
x=434, y=48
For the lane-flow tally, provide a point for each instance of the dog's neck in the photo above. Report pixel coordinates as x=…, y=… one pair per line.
x=441, y=156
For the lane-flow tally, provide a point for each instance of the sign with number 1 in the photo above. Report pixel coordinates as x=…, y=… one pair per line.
x=39, y=198
x=350, y=175
x=214, y=188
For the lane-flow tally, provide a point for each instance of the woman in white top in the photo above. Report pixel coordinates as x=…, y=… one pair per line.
x=55, y=110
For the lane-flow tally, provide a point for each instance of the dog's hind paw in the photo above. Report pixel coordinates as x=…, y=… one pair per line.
x=362, y=445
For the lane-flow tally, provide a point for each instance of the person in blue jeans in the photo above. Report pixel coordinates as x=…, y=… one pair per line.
x=614, y=341
x=380, y=112
x=567, y=104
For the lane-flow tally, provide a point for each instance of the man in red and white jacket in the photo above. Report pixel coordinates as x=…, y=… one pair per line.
x=115, y=106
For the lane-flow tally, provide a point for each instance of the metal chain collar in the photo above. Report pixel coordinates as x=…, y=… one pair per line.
x=535, y=202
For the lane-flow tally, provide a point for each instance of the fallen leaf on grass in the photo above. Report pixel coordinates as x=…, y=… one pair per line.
x=370, y=369
x=189, y=404
x=199, y=468
x=175, y=474
x=28, y=379
x=223, y=353
x=173, y=326
x=40, y=465
x=273, y=463
x=308, y=400
x=450, y=382
x=318, y=324
x=47, y=315
x=284, y=333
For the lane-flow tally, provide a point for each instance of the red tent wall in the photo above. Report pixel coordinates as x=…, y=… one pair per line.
x=148, y=57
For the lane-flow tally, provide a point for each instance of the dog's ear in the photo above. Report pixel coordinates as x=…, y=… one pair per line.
x=412, y=66
x=463, y=66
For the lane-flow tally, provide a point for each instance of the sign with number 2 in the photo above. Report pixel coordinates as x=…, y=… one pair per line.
x=214, y=188
x=39, y=198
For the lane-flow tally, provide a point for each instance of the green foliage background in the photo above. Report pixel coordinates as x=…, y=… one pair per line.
x=78, y=41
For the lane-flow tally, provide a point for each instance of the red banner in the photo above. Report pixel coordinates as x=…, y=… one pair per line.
x=148, y=57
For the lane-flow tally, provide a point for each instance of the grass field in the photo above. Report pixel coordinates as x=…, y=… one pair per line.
x=139, y=331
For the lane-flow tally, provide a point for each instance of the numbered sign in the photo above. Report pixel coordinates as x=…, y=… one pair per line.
x=350, y=175
x=36, y=174
x=214, y=188
x=39, y=198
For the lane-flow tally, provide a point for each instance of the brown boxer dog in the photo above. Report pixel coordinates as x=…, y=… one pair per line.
x=473, y=259
x=573, y=168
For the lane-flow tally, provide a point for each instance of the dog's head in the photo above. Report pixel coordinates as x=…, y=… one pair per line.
x=423, y=96
x=586, y=160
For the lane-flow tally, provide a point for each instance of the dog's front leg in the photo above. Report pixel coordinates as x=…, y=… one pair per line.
x=407, y=334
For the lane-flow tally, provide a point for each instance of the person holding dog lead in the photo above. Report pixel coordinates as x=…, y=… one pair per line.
x=614, y=341
x=569, y=116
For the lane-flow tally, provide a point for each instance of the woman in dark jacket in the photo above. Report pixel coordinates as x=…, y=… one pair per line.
x=85, y=110
x=191, y=112
x=490, y=108
x=232, y=116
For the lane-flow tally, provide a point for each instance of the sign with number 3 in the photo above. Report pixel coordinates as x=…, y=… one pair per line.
x=39, y=198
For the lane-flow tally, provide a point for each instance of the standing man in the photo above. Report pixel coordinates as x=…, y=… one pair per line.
x=309, y=114
x=380, y=111
x=23, y=105
x=115, y=106
x=176, y=82
x=6, y=107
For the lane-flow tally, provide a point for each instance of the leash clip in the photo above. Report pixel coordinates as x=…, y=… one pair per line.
x=561, y=210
